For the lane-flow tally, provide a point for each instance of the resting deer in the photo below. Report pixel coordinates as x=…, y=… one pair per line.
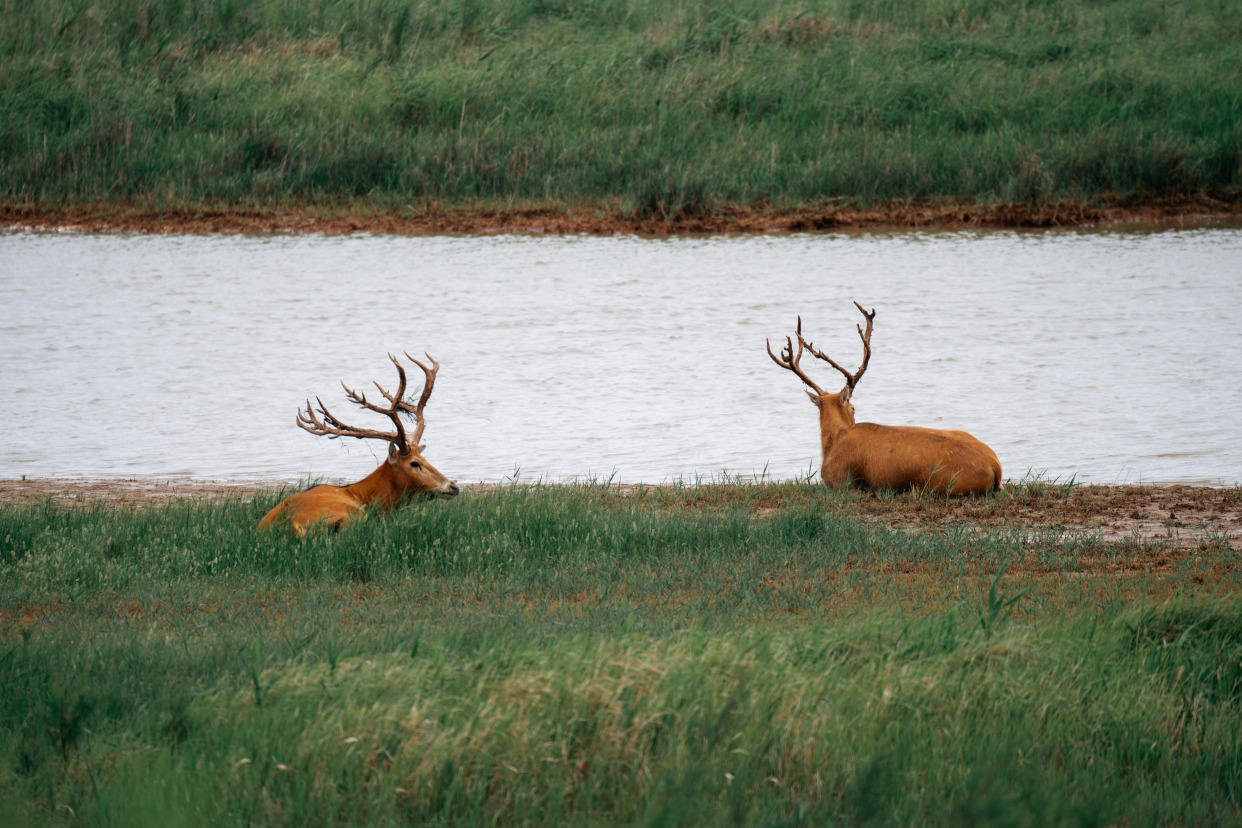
x=887, y=457
x=405, y=473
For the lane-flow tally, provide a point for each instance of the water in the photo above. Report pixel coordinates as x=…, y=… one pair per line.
x=1104, y=356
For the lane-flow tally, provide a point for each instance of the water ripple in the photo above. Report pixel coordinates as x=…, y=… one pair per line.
x=1107, y=355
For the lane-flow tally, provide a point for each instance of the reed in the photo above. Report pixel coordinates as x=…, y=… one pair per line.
x=707, y=539
x=715, y=654
x=650, y=108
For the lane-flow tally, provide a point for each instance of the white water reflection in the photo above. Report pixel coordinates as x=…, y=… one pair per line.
x=1109, y=356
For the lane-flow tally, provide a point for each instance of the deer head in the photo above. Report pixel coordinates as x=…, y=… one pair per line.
x=835, y=409
x=408, y=470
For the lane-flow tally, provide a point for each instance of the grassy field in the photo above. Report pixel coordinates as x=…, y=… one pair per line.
x=723, y=654
x=654, y=108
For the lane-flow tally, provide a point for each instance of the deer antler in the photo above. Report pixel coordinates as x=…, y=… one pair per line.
x=429, y=375
x=851, y=380
x=790, y=362
x=333, y=428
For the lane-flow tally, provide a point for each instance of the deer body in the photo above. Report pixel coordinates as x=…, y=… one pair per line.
x=873, y=456
x=385, y=489
x=405, y=473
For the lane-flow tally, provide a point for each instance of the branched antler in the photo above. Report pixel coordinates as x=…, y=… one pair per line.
x=429, y=380
x=791, y=362
x=333, y=428
x=851, y=380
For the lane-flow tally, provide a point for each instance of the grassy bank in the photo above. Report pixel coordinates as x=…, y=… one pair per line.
x=724, y=654
x=638, y=108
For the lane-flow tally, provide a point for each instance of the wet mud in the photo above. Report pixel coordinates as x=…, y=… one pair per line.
x=609, y=220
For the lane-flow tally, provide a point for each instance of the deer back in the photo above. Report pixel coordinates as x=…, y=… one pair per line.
x=905, y=457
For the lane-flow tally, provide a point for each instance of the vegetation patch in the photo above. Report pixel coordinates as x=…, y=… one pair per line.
x=632, y=114
x=582, y=654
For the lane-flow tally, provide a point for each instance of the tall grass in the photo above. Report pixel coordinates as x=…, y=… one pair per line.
x=559, y=655
x=657, y=108
x=707, y=541
x=877, y=720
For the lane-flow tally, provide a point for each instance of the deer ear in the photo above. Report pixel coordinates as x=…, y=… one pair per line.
x=393, y=453
x=844, y=396
x=814, y=398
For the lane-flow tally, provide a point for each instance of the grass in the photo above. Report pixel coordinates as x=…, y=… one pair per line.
x=549, y=655
x=639, y=107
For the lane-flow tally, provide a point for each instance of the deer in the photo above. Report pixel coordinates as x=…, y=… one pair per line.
x=877, y=457
x=404, y=474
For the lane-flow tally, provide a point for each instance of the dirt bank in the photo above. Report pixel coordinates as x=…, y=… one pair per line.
x=608, y=220
x=1187, y=517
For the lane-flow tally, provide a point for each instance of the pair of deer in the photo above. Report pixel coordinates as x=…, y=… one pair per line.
x=865, y=455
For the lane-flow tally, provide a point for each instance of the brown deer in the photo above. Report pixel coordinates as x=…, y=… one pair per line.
x=405, y=473
x=874, y=456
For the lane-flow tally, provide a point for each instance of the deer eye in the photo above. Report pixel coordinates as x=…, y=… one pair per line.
x=414, y=464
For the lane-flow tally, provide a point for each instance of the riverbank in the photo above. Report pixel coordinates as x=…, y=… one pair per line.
x=660, y=113
x=1182, y=518
x=947, y=215
x=557, y=655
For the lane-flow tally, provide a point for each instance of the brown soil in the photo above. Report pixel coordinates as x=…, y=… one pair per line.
x=125, y=492
x=606, y=220
x=1189, y=516
x=1186, y=517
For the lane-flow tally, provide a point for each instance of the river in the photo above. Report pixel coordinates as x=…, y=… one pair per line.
x=1111, y=356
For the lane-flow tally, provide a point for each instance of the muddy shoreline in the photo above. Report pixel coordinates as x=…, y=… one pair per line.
x=605, y=220
x=1186, y=517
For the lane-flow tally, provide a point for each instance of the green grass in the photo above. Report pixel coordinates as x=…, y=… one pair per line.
x=639, y=106
x=714, y=655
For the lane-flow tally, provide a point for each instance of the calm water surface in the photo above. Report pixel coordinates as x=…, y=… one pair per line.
x=1107, y=356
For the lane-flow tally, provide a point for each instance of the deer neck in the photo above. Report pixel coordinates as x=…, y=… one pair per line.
x=380, y=487
x=832, y=424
